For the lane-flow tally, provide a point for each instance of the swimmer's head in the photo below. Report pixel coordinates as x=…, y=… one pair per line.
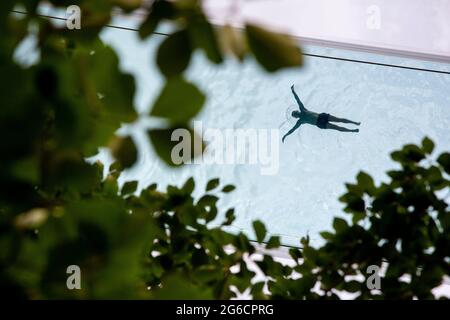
x=295, y=114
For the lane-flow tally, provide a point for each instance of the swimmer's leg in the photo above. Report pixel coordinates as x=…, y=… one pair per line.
x=336, y=119
x=342, y=129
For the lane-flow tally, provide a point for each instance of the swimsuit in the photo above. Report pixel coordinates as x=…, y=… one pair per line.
x=322, y=120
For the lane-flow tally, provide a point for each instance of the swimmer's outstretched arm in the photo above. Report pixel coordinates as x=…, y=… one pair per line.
x=300, y=104
x=297, y=125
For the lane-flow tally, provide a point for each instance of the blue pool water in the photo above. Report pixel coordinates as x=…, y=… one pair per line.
x=395, y=106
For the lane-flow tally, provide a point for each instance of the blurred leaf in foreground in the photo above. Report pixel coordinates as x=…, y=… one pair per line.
x=274, y=51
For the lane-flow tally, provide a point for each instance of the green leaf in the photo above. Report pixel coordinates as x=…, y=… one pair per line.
x=174, y=54
x=211, y=213
x=230, y=217
x=257, y=290
x=353, y=286
x=260, y=230
x=179, y=101
x=295, y=253
x=124, y=151
x=309, y=253
x=274, y=242
x=129, y=187
x=339, y=225
x=110, y=186
x=92, y=97
x=208, y=200
x=444, y=161
x=365, y=181
x=114, y=169
x=355, y=204
x=212, y=184
x=398, y=156
x=203, y=37
x=161, y=9
x=114, y=89
x=427, y=145
x=413, y=153
x=326, y=235
x=273, y=51
x=189, y=185
x=358, y=216
x=305, y=283
x=176, y=153
x=228, y=188
x=232, y=42
x=67, y=170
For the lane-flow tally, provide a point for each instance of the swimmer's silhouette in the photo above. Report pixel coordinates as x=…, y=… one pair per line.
x=321, y=120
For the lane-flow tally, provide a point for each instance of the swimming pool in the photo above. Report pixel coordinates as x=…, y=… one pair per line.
x=395, y=106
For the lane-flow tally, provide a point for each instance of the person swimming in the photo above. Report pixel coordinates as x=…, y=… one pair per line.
x=321, y=120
